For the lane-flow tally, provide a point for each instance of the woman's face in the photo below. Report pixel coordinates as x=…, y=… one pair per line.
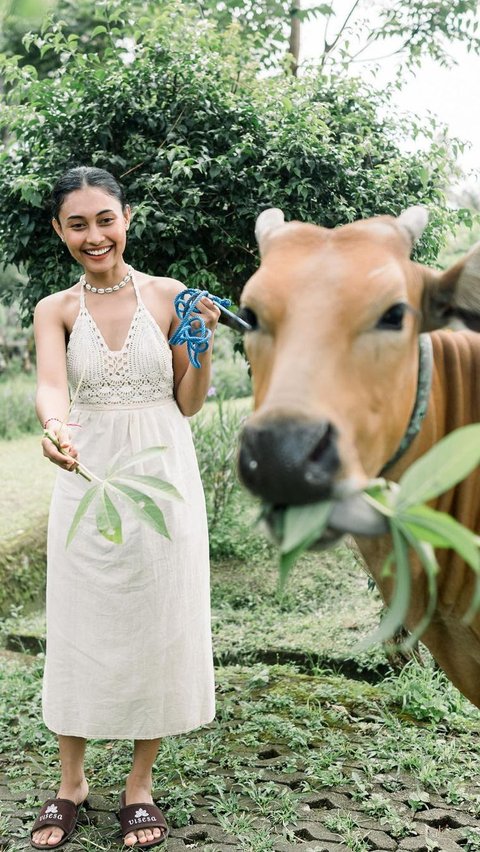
x=93, y=226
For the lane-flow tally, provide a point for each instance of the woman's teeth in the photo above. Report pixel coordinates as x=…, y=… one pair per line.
x=97, y=252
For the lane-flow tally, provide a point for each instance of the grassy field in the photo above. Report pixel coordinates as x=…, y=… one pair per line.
x=27, y=481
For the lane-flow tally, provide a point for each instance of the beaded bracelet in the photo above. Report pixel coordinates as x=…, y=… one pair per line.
x=48, y=421
x=58, y=421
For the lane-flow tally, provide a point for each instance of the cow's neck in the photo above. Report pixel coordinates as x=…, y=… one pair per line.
x=454, y=402
x=455, y=393
x=424, y=387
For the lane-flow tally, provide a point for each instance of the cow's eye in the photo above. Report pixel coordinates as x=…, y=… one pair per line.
x=392, y=320
x=248, y=316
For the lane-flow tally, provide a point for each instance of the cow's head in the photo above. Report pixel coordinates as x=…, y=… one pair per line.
x=335, y=317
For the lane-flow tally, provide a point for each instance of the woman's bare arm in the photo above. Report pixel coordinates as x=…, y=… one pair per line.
x=52, y=398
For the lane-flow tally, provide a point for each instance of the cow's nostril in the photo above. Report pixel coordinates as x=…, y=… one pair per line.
x=323, y=444
x=289, y=462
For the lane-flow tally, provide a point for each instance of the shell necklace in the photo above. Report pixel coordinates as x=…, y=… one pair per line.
x=101, y=290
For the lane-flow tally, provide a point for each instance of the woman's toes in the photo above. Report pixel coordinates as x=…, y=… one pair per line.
x=130, y=839
x=157, y=832
x=142, y=836
x=55, y=836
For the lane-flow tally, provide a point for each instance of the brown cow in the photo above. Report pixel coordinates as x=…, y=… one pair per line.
x=334, y=352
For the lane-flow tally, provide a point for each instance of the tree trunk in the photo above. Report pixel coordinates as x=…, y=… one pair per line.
x=294, y=42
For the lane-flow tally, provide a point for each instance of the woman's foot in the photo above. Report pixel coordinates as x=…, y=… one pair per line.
x=141, y=793
x=50, y=836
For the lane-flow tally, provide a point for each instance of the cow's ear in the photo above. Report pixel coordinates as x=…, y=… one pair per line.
x=266, y=223
x=413, y=222
x=453, y=293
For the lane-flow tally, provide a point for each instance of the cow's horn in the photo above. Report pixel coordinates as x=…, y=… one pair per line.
x=413, y=220
x=267, y=222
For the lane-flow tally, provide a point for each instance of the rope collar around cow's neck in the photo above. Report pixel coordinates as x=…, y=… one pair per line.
x=424, y=384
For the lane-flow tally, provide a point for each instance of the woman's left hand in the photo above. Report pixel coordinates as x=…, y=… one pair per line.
x=209, y=311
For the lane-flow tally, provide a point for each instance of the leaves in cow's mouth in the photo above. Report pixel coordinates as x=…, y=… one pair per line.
x=302, y=527
x=446, y=463
x=414, y=527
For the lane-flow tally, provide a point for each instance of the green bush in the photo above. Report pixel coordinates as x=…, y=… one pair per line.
x=23, y=567
x=201, y=145
x=230, y=373
x=231, y=511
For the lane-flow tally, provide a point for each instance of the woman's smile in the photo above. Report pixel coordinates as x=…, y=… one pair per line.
x=98, y=253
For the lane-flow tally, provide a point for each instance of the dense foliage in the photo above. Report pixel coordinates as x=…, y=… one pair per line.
x=202, y=145
x=409, y=30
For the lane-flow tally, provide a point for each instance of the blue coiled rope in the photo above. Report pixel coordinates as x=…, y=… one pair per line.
x=192, y=329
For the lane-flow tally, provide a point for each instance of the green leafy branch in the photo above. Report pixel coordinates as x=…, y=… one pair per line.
x=413, y=526
x=119, y=483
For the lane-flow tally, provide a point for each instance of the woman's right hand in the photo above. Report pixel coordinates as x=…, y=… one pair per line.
x=68, y=458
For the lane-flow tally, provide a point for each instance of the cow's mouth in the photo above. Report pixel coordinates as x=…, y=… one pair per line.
x=350, y=514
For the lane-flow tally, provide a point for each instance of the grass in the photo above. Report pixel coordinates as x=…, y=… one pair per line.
x=325, y=611
x=17, y=411
x=281, y=740
x=28, y=479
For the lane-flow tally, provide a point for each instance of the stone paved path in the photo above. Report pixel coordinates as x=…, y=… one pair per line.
x=437, y=826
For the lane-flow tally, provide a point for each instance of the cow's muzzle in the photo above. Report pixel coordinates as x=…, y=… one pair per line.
x=288, y=462
x=291, y=463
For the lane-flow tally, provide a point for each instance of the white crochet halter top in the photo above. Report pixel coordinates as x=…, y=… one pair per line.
x=139, y=374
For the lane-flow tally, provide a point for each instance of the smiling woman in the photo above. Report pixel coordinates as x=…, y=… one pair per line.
x=128, y=626
x=92, y=231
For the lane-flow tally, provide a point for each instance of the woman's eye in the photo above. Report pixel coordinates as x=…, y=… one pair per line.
x=392, y=320
x=248, y=316
x=106, y=221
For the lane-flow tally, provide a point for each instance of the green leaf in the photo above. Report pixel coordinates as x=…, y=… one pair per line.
x=97, y=31
x=447, y=463
x=302, y=526
x=142, y=456
x=145, y=508
x=426, y=554
x=401, y=597
x=81, y=509
x=287, y=561
x=169, y=492
x=442, y=530
x=109, y=522
x=301, y=522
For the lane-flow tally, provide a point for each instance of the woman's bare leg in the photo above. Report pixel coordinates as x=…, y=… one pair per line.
x=73, y=784
x=139, y=787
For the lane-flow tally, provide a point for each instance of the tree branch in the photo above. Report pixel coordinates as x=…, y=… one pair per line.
x=333, y=44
